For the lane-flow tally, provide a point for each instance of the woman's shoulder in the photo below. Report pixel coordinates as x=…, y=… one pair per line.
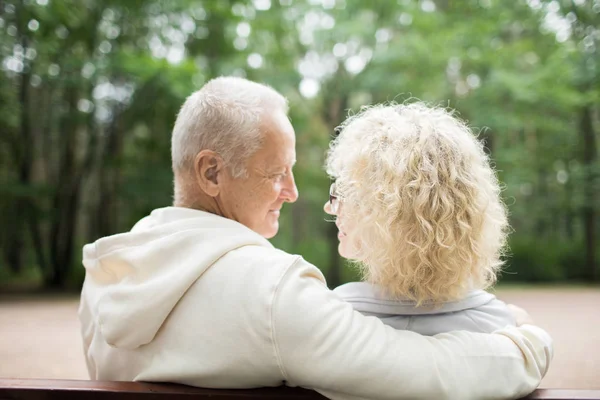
x=478, y=311
x=357, y=290
x=371, y=298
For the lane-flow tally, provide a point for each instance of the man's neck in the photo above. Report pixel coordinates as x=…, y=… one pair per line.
x=188, y=196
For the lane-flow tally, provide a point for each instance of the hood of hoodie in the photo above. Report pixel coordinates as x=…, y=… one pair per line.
x=135, y=279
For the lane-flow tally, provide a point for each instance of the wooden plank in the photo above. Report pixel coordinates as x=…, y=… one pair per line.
x=51, y=389
x=564, y=394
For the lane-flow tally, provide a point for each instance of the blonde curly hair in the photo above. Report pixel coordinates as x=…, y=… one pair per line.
x=424, y=200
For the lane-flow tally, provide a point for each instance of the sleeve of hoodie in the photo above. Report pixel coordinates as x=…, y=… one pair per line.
x=323, y=344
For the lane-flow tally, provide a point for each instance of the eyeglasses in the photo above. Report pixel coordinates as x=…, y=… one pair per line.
x=334, y=200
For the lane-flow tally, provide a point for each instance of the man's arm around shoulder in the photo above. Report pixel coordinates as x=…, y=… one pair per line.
x=323, y=344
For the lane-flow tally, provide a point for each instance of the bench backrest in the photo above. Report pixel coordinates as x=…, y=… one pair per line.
x=41, y=389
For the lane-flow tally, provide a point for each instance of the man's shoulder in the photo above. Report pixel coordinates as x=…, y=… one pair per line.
x=253, y=252
x=272, y=262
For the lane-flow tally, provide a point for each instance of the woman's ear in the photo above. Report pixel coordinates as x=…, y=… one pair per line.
x=207, y=167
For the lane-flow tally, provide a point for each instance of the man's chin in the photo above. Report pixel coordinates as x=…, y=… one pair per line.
x=270, y=231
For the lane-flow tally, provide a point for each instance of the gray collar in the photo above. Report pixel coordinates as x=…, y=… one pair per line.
x=368, y=298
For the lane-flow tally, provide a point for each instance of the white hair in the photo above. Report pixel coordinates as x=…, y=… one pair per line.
x=424, y=197
x=223, y=116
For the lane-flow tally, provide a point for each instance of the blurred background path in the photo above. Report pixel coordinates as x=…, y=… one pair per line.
x=39, y=338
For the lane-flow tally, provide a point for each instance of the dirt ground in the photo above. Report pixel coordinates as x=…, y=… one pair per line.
x=40, y=338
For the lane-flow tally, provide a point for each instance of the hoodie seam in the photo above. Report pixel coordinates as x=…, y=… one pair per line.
x=272, y=320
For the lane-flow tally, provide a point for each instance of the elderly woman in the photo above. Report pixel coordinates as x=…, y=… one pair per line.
x=418, y=207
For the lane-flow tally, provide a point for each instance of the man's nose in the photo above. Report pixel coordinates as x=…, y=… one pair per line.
x=290, y=191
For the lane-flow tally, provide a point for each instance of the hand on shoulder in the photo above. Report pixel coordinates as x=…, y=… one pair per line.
x=520, y=315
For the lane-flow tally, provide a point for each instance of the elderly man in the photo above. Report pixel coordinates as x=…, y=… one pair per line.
x=195, y=294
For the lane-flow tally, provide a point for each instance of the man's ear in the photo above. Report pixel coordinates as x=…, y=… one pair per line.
x=208, y=166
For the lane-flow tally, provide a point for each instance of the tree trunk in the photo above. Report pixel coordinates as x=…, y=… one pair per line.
x=569, y=217
x=110, y=178
x=24, y=158
x=65, y=199
x=589, y=213
x=37, y=239
x=541, y=195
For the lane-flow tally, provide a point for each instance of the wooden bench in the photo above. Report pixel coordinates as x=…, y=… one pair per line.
x=44, y=389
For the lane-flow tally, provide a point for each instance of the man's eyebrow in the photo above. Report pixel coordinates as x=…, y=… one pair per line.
x=277, y=167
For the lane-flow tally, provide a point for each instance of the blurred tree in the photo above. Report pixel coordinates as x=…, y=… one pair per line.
x=89, y=91
x=584, y=19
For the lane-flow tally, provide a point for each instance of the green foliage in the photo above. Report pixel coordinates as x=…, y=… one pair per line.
x=549, y=259
x=89, y=91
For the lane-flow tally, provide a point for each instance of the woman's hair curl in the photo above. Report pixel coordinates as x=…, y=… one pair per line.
x=425, y=202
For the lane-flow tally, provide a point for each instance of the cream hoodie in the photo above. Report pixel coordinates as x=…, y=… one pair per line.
x=194, y=298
